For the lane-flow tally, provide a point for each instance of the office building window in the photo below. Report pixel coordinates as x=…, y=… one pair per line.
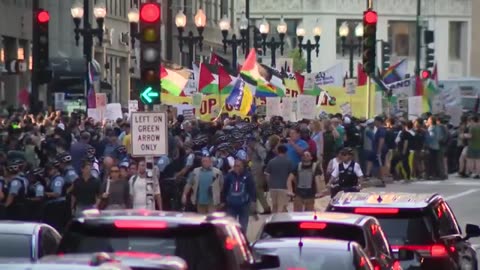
x=402, y=37
x=224, y=7
x=351, y=34
x=455, y=37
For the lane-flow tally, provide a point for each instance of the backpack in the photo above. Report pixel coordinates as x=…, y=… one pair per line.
x=237, y=193
x=314, y=168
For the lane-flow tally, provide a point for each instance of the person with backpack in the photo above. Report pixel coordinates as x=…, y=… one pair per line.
x=239, y=194
x=306, y=184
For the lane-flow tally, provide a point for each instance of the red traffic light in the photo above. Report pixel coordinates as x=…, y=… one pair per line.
x=150, y=13
x=370, y=17
x=43, y=16
x=426, y=74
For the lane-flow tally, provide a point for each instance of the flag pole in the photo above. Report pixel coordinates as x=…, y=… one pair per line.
x=368, y=97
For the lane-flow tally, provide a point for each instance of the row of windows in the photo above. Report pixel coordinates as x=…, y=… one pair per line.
x=18, y=3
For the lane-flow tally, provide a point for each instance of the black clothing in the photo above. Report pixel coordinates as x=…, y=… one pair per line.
x=347, y=176
x=86, y=192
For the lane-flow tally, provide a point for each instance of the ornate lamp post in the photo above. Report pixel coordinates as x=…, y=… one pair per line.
x=88, y=33
x=309, y=46
x=200, y=20
x=352, y=44
x=273, y=44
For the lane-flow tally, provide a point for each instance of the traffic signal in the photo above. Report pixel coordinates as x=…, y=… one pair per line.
x=426, y=74
x=386, y=53
x=429, y=57
x=150, y=53
x=40, y=53
x=369, y=40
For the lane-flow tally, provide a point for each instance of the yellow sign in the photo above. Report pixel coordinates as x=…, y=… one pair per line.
x=209, y=107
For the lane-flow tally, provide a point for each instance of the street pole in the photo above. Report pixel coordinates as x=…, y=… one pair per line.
x=87, y=47
x=419, y=37
x=352, y=49
x=247, y=14
x=34, y=75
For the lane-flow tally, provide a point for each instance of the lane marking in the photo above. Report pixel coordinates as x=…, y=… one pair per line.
x=461, y=194
x=456, y=183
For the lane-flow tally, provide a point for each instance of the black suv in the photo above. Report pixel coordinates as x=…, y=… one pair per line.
x=204, y=242
x=423, y=223
x=364, y=230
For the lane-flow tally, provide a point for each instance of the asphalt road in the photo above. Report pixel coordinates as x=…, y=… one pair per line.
x=463, y=196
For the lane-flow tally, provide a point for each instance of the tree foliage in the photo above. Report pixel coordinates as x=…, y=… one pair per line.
x=299, y=62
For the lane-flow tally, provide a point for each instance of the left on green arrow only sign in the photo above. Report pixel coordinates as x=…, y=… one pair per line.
x=148, y=95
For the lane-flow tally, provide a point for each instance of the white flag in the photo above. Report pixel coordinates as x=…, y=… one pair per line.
x=332, y=76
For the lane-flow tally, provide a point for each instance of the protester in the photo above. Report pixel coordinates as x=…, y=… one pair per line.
x=278, y=170
x=86, y=190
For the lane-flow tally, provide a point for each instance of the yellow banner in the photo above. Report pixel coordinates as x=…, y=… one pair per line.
x=338, y=96
x=210, y=107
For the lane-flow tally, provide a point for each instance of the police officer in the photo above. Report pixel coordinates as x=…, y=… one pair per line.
x=36, y=188
x=57, y=187
x=121, y=156
x=91, y=154
x=225, y=161
x=15, y=203
x=69, y=173
x=348, y=173
x=93, y=171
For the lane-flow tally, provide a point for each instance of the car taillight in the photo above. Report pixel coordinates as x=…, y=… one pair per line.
x=140, y=224
x=396, y=266
x=373, y=211
x=230, y=243
x=436, y=250
x=312, y=225
x=376, y=265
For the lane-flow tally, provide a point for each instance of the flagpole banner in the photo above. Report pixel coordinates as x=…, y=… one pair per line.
x=287, y=108
x=273, y=107
x=306, y=107
x=332, y=76
x=415, y=109
x=404, y=87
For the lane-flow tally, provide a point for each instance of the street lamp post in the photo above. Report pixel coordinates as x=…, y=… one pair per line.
x=309, y=46
x=244, y=26
x=200, y=20
x=78, y=12
x=133, y=17
x=225, y=26
x=273, y=44
x=344, y=31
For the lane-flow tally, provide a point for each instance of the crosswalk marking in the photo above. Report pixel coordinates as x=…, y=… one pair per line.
x=449, y=183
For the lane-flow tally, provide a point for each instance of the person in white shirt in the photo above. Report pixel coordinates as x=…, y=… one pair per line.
x=348, y=172
x=145, y=193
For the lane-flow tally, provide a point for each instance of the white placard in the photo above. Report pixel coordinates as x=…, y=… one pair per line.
x=287, y=108
x=132, y=107
x=149, y=134
x=273, y=107
x=306, y=107
x=415, y=109
x=101, y=101
x=189, y=114
x=113, y=111
x=95, y=114
x=378, y=103
x=59, y=101
x=346, y=109
x=351, y=86
x=309, y=81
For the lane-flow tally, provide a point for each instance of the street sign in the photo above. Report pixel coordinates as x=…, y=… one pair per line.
x=149, y=133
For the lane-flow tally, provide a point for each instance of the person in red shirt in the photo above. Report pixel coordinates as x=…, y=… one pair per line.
x=312, y=146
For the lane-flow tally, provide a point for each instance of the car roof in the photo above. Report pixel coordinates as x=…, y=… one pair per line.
x=36, y=266
x=19, y=227
x=134, y=259
x=384, y=199
x=181, y=218
x=340, y=218
x=317, y=243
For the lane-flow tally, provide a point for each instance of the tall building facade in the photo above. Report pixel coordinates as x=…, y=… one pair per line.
x=451, y=21
x=475, y=62
x=15, y=43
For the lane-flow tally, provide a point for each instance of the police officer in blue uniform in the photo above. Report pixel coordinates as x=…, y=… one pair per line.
x=57, y=207
x=67, y=170
x=17, y=191
x=36, y=188
x=57, y=187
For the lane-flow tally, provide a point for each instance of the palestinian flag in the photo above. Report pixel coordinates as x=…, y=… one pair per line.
x=208, y=79
x=174, y=78
x=267, y=79
x=226, y=79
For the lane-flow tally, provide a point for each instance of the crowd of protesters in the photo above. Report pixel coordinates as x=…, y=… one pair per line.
x=56, y=165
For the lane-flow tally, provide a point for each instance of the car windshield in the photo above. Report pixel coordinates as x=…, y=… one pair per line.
x=199, y=246
x=15, y=246
x=306, y=258
x=406, y=230
x=330, y=231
